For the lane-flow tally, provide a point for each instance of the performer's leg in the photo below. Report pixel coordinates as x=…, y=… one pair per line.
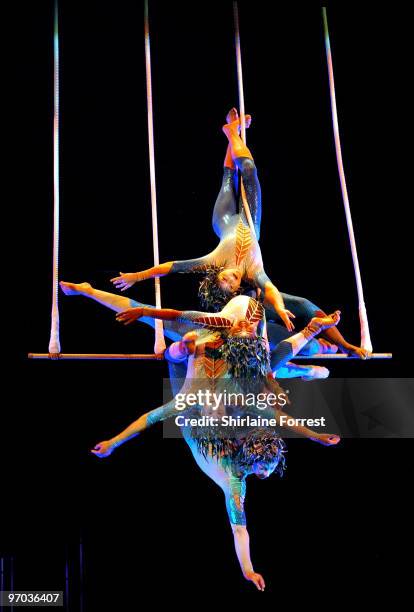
x=304, y=310
x=115, y=302
x=290, y=347
x=308, y=372
x=226, y=205
x=335, y=336
x=276, y=333
x=172, y=329
x=292, y=370
x=244, y=162
x=177, y=373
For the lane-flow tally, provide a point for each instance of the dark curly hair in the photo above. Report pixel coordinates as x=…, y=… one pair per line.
x=262, y=446
x=245, y=448
x=211, y=295
x=246, y=358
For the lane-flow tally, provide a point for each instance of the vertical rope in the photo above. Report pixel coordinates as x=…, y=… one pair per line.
x=241, y=105
x=159, y=345
x=54, y=342
x=363, y=319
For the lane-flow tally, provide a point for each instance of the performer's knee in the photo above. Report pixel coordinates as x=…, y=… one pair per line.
x=302, y=307
x=311, y=348
x=309, y=308
x=248, y=168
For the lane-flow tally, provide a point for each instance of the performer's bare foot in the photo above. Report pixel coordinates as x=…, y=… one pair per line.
x=234, y=126
x=356, y=351
x=326, y=347
x=316, y=372
x=233, y=116
x=74, y=288
x=323, y=323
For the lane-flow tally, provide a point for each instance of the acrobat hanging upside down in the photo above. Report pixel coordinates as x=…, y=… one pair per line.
x=236, y=264
x=226, y=455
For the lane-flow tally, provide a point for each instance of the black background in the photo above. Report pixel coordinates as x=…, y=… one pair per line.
x=149, y=519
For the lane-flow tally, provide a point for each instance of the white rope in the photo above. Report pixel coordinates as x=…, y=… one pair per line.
x=54, y=341
x=159, y=345
x=363, y=319
x=241, y=106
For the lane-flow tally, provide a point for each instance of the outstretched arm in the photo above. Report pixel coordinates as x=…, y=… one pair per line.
x=125, y=281
x=285, y=420
x=199, y=319
x=242, y=546
x=273, y=297
x=235, y=492
x=105, y=448
x=133, y=314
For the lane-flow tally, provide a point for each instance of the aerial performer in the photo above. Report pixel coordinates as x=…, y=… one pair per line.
x=241, y=325
x=236, y=309
x=226, y=460
x=236, y=266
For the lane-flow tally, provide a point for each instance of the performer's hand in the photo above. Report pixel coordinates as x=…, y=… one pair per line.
x=327, y=439
x=286, y=315
x=129, y=315
x=125, y=281
x=257, y=580
x=103, y=449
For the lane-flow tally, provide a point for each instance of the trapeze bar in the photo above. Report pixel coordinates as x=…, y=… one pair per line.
x=159, y=357
x=341, y=356
x=94, y=356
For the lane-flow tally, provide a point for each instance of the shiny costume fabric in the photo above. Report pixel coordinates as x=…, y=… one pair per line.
x=238, y=247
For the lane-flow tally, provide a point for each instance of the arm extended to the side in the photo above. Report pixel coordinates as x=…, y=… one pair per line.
x=125, y=280
x=145, y=421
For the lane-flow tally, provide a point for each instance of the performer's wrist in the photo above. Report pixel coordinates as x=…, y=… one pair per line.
x=145, y=311
x=115, y=442
x=248, y=571
x=140, y=276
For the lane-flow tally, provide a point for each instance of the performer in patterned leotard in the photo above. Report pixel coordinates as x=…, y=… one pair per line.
x=241, y=321
x=174, y=330
x=236, y=263
x=227, y=462
x=237, y=258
